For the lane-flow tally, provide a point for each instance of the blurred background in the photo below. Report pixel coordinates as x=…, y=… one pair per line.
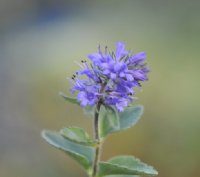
x=39, y=42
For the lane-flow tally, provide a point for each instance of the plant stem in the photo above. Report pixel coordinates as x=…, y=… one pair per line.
x=96, y=134
x=97, y=138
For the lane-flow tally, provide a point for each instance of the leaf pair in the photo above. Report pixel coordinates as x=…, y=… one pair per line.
x=110, y=120
x=75, y=142
x=84, y=155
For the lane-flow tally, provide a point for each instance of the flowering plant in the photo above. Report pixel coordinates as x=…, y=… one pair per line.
x=105, y=89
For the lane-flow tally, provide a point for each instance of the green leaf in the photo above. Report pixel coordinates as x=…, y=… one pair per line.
x=111, y=121
x=130, y=116
x=77, y=135
x=108, y=121
x=69, y=99
x=89, y=111
x=84, y=155
x=125, y=165
x=122, y=176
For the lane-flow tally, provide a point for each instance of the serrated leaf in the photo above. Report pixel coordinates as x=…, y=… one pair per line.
x=77, y=135
x=84, y=155
x=130, y=116
x=69, y=99
x=125, y=165
x=108, y=121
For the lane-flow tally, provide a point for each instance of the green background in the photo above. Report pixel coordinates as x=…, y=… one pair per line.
x=39, y=42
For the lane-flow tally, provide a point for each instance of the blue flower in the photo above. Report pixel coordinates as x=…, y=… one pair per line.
x=110, y=77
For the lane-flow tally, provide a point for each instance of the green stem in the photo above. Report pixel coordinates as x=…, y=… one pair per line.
x=96, y=134
x=97, y=138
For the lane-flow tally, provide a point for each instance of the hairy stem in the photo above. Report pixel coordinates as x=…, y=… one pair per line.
x=97, y=138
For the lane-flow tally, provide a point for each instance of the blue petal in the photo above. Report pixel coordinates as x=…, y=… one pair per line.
x=139, y=57
x=95, y=57
x=120, y=50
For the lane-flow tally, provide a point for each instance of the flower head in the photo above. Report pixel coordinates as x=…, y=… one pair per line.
x=110, y=77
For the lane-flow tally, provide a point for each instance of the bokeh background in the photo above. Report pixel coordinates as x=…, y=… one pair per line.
x=39, y=42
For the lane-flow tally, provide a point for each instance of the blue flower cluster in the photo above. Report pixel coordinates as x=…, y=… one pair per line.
x=110, y=77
